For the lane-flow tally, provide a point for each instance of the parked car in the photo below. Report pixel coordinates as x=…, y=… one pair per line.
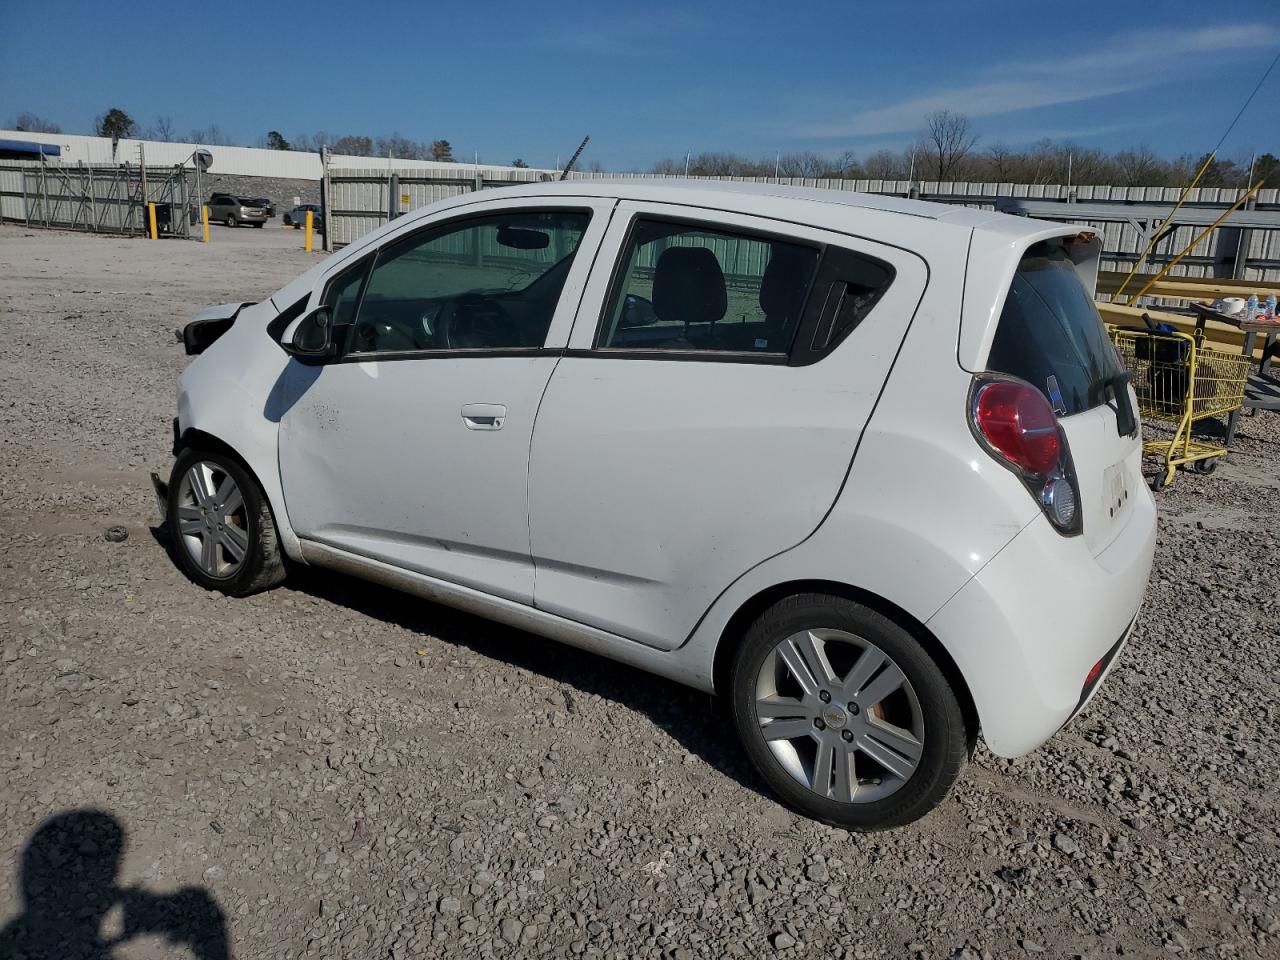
x=263, y=202
x=233, y=211
x=297, y=217
x=868, y=468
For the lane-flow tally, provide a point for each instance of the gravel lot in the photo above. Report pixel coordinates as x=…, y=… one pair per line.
x=335, y=770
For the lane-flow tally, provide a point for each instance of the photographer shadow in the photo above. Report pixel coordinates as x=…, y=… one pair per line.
x=68, y=879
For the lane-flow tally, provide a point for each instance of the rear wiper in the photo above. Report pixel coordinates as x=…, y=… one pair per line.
x=1126, y=419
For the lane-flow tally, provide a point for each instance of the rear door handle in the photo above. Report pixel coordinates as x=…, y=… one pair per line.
x=484, y=416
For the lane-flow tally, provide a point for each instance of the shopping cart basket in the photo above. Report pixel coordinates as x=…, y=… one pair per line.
x=1179, y=382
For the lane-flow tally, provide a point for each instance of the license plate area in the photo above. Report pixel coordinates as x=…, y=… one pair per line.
x=1115, y=487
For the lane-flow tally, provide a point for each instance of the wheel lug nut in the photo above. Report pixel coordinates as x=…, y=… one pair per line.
x=824, y=697
x=846, y=735
x=853, y=709
x=817, y=722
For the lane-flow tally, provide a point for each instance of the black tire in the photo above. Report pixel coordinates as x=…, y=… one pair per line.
x=1204, y=467
x=230, y=221
x=259, y=225
x=945, y=744
x=263, y=566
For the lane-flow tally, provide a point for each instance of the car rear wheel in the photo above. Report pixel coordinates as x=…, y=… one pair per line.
x=230, y=221
x=845, y=714
x=224, y=535
x=259, y=224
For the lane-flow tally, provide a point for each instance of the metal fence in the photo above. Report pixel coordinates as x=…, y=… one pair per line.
x=109, y=198
x=1246, y=246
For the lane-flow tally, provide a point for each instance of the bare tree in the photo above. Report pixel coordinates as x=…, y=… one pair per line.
x=402, y=148
x=845, y=166
x=162, y=130
x=32, y=123
x=884, y=165
x=353, y=145
x=1001, y=161
x=1138, y=165
x=950, y=141
x=211, y=135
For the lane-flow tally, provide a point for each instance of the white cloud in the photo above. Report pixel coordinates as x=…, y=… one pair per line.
x=1122, y=63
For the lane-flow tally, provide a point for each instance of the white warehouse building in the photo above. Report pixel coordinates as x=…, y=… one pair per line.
x=233, y=161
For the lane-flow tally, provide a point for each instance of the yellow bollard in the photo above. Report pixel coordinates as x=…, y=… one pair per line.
x=309, y=215
x=204, y=217
x=151, y=217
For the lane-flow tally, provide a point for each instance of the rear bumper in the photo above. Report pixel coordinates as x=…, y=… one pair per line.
x=1029, y=627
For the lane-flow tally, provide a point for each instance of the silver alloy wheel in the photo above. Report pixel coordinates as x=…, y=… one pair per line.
x=839, y=715
x=212, y=520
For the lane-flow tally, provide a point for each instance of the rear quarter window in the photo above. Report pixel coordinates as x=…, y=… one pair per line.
x=1051, y=335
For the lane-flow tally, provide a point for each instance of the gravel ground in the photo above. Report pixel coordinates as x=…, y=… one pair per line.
x=331, y=769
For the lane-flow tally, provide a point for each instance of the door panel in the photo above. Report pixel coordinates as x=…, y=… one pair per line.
x=407, y=480
x=655, y=483
x=414, y=448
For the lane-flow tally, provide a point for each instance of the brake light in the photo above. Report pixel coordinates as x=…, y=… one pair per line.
x=1017, y=420
x=1016, y=425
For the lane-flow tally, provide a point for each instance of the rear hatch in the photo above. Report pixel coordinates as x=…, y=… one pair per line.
x=1051, y=335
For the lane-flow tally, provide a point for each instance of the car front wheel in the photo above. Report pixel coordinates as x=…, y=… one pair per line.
x=845, y=715
x=223, y=533
x=230, y=221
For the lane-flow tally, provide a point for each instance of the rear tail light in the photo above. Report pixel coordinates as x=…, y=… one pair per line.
x=1015, y=424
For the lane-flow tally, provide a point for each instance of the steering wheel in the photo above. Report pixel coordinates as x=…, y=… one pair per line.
x=474, y=320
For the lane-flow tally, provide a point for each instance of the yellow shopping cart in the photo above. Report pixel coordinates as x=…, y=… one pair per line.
x=1179, y=382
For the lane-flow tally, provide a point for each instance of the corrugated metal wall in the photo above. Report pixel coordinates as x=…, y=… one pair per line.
x=104, y=199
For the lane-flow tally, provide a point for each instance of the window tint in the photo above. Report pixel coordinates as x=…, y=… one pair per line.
x=482, y=284
x=1051, y=335
x=684, y=287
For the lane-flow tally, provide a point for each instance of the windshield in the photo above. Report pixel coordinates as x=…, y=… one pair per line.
x=1051, y=335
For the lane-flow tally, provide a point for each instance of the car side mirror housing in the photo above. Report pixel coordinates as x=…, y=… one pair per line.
x=312, y=340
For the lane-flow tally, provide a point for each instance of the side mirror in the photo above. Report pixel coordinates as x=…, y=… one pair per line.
x=312, y=340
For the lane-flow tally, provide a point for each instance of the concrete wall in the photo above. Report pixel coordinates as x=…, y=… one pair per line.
x=279, y=190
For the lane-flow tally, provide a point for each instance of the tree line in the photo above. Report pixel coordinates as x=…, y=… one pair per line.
x=949, y=150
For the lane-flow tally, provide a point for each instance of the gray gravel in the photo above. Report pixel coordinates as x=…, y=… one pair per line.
x=334, y=770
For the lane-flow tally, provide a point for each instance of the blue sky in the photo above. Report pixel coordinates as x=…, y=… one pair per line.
x=654, y=79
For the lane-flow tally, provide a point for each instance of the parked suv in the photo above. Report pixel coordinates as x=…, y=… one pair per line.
x=234, y=211
x=866, y=467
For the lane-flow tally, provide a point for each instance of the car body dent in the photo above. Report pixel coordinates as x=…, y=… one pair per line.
x=236, y=375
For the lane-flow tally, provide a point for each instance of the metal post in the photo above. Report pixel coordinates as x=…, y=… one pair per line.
x=151, y=221
x=1243, y=234
x=44, y=193
x=204, y=217
x=93, y=200
x=142, y=169
x=26, y=204
x=393, y=197
x=326, y=239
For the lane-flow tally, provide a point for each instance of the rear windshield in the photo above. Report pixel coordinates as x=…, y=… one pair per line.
x=1051, y=335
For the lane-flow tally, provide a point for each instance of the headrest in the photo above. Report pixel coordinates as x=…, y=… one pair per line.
x=688, y=286
x=786, y=277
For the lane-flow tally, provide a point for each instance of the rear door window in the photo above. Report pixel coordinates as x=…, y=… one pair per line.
x=1051, y=335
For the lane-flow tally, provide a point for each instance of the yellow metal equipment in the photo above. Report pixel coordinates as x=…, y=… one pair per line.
x=1179, y=381
x=310, y=224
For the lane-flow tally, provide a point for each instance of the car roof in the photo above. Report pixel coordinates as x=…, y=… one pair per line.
x=796, y=203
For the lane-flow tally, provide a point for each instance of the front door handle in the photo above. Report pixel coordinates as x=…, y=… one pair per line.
x=484, y=416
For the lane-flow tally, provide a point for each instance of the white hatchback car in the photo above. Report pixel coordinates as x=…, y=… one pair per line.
x=866, y=467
